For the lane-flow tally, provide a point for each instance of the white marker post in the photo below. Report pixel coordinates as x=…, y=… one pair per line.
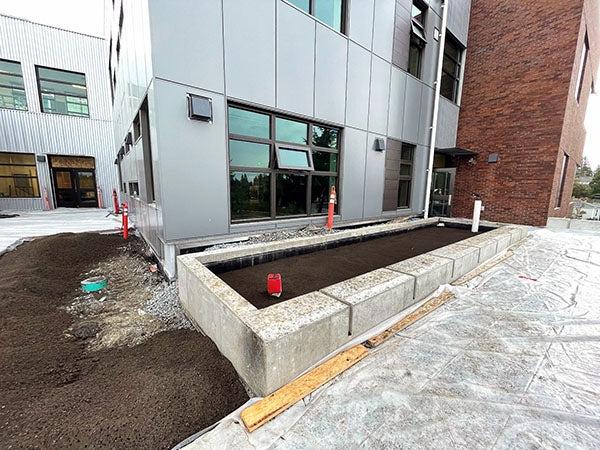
x=476, y=214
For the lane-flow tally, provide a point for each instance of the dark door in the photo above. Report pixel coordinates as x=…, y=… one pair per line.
x=442, y=189
x=74, y=188
x=87, y=195
x=65, y=190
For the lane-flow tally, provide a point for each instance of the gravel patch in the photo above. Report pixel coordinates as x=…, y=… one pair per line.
x=165, y=305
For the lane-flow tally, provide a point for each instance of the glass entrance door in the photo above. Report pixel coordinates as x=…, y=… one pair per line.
x=74, y=188
x=86, y=188
x=442, y=189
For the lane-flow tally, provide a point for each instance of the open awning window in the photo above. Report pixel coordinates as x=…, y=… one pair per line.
x=455, y=151
x=418, y=32
x=294, y=158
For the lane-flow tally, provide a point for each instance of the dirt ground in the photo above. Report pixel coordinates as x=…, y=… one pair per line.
x=312, y=271
x=68, y=382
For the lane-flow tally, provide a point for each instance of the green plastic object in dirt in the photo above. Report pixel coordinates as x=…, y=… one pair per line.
x=94, y=284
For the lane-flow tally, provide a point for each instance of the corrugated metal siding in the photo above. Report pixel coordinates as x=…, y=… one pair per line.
x=35, y=132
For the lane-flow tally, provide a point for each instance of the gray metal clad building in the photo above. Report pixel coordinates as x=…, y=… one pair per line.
x=55, y=118
x=234, y=116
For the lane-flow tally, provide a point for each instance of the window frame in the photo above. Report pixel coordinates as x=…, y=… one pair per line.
x=39, y=86
x=562, y=180
x=274, y=169
x=458, y=67
x=581, y=71
x=311, y=12
x=36, y=177
x=417, y=39
x=409, y=177
x=283, y=145
x=11, y=87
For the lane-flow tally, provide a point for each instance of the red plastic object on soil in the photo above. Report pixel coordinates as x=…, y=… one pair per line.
x=274, y=285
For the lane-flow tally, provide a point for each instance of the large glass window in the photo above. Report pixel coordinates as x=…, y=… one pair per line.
x=18, y=175
x=12, y=88
x=451, y=69
x=279, y=166
x=417, y=40
x=582, y=64
x=250, y=195
x=330, y=12
x=62, y=92
x=405, y=178
x=563, y=178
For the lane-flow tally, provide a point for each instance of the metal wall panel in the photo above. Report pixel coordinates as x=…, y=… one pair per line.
x=32, y=131
x=360, y=22
x=383, y=28
x=458, y=19
x=295, y=60
x=353, y=173
x=358, y=86
x=380, y=95
x=447, y=123
x=250, y=63
x=330, y=75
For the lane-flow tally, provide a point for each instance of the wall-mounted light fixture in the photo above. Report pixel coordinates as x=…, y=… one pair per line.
x=199, y=108
x=379, y=145
x=40, y=158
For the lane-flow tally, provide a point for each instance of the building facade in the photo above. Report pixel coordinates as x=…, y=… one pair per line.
x=234, y=117
x=55, y=118
x=529, y=73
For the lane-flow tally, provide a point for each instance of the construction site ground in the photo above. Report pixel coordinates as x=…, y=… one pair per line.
x=120, y=368
x=511, y=362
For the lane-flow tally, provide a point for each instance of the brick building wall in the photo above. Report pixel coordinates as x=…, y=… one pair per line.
x=518, y=101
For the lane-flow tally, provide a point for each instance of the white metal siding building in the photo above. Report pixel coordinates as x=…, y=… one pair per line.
x=40, y=128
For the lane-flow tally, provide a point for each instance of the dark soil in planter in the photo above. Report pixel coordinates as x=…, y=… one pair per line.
x=309, y=272
x=56, y=393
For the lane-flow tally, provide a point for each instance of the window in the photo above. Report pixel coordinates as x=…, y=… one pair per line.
x=582, y=64
x=134, y=188
x=18, y=175
x=405, y=177
x=143, y=121
x=12, y=88
x=279, y=166
x=417, y=40
x=330, y=12
x=62, y=92
x=563, y=176
x=291, y=158
x=399, y=159
x=137, y=132
x=451, y=69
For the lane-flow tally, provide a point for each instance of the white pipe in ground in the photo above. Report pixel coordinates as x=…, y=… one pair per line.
x=476, y=215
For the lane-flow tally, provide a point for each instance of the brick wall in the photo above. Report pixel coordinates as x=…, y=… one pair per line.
x=517, y=101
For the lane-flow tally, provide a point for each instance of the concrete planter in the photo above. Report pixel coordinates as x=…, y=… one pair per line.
x=272, y=346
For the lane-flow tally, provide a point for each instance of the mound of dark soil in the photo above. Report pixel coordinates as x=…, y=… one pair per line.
x=56, y=393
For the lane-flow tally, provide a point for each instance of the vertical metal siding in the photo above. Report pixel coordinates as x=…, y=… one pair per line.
x=32, y=131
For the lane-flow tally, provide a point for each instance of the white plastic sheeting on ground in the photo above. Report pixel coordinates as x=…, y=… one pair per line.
x=512, y=362
x=31, y=224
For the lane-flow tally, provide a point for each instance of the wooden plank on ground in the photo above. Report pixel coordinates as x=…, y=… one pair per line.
x=417, y=314
x=264, y=410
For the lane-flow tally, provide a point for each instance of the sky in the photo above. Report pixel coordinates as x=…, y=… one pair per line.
x=87, y=16
x=84, y=16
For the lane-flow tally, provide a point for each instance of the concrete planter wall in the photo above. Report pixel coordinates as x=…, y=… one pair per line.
x=272, y=346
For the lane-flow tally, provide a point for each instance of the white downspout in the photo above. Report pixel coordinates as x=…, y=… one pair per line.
x=436, y=106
